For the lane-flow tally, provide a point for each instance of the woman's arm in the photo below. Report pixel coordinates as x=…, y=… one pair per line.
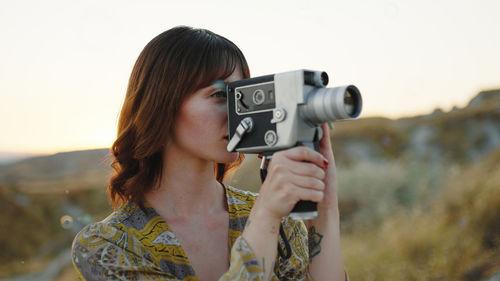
x=261, y=233
x=325, y=254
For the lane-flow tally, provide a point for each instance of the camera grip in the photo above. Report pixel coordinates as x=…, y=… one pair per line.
x=303, y=210
x=304, y=207
x=306, y=210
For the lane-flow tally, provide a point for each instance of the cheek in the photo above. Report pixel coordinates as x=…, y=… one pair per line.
x=201, y=122
x=221, y=113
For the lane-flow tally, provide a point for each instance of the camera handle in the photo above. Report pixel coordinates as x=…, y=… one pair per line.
x=303, y=210
x=306, y=210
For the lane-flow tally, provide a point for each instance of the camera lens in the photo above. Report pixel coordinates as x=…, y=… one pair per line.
x=259, y=97
x=349, y=103
x=330, y=104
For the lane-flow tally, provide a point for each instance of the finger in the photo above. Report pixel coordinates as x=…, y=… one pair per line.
x=325, y=139
x=302, y=153
x=308, y=194
x=307, y=182
x=300, y=168
x=306, y=169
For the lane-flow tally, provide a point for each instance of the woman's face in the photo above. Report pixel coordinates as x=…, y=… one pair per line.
x=201, y=128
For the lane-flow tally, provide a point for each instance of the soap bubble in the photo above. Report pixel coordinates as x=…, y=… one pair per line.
x=66, y=221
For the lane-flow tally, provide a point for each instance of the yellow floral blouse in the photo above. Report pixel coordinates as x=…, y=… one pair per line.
x=137, y=244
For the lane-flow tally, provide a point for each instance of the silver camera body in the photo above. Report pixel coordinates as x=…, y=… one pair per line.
x=279, y=111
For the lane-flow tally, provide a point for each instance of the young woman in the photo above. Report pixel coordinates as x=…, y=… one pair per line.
x=174, y=218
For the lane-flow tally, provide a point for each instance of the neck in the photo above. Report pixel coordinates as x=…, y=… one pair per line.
x=188, y=187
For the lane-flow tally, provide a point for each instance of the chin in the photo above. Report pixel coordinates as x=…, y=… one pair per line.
x=231, y=157
x=224, y=156
x=227, y=157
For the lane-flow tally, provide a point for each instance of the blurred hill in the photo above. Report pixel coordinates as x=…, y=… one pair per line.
x=70, y=170
x=436, y=173
x=462, y=135
x=11, y=157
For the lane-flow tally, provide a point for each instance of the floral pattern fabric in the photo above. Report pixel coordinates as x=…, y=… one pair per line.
x=137, y=244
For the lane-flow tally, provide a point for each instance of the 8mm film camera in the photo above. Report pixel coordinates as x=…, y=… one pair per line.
x=279, y=111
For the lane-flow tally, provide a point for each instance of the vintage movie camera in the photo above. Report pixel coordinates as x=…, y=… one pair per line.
x=274, y=112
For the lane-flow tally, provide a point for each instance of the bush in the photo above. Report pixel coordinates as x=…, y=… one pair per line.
x=454, y=237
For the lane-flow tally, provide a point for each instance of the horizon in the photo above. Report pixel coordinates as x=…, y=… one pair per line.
x=65, y=65
x=9, y=157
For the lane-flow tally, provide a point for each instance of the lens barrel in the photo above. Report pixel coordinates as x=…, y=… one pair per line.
x=331, y=104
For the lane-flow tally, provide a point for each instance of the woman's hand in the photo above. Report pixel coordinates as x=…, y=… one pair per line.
x=294, y=174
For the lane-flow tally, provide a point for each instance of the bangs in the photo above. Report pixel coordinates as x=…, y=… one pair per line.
x=218, y=58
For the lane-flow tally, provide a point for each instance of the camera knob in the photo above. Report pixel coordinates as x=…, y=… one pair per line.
x=279, y=115
x=271, y=138
x=259, y=97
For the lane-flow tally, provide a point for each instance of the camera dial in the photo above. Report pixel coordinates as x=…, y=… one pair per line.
x=259, y=97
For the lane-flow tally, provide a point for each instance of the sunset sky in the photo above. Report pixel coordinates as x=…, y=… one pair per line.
x=64, y=65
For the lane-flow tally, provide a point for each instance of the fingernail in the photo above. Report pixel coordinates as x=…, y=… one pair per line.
x=325, y=163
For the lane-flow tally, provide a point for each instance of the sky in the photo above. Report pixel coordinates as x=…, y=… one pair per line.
x=64, y=64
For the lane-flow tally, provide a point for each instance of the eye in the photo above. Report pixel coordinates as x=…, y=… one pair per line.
x=219, y=95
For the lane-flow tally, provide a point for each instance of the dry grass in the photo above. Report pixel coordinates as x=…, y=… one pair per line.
x=35, y=235
x=68, y=273
x=457, y=237
x=17, y=239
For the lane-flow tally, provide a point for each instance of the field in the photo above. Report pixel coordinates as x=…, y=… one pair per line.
x=419, y=199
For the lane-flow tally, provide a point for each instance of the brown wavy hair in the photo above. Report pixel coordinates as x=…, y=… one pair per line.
x=171, y=67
